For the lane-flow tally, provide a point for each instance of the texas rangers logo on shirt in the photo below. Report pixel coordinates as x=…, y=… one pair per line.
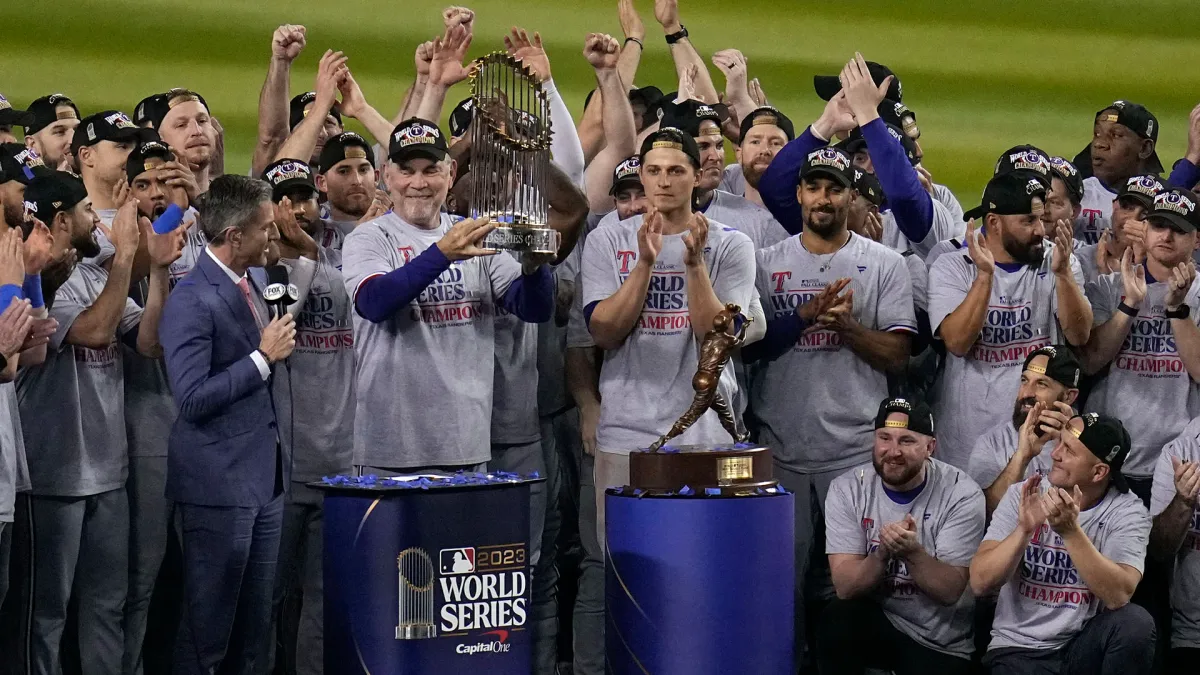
x=665, y=310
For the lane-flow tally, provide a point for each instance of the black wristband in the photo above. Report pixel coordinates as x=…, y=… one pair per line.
x=1180, y=312
x=640, y=44
x=1127, y=310
x=676, y=37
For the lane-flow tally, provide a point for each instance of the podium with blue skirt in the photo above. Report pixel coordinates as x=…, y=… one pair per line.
x=427, y=574
x=700, y=565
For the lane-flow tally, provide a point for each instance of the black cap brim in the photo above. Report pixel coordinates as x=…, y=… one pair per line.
x=827, y=86
x=37, y=171
x=405, y=154
x=280, y=191
x=1146, y=201
x=1156, y=165
x=16, y=118
x=826, y=172
x=1174, y=221
x=624, y=183
x=977, y=212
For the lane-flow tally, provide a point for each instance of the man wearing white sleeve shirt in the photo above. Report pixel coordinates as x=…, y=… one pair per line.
x=1065, y=562
x=1124, y=136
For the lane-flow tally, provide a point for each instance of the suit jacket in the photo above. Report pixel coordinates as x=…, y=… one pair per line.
x=224, y=448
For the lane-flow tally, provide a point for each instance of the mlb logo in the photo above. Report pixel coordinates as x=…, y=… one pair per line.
x=868, y=524
x=457, y=560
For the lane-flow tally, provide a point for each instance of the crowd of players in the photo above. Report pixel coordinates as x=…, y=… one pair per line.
x=1046, y=523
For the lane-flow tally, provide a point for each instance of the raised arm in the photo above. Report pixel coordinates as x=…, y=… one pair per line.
x=164, y=249
x=446, y=69
x=611, y=320
x=1187, y=334
x=732, y=64
x=355, y=105
x=1074, y=310
x=303, y=141
x=568, y=210
x=286, y=44
x=962, y=327
x=96, y=326
x=1106, y=339
x=635, y=41
x=682, y=51
x=620, y=130
x=1172, y=525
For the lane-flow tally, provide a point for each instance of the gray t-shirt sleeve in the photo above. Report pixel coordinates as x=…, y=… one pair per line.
x=894, y=311
x=577, y=331
x=734, y=281
x=1127, y=536
x=1004, y=519
x=986, y=463
x=502, y=270
x=843, y=526
x=1163, y=490
x=600, y=278
x=919, y=276
x=950, y=280
x=364, y=256
x=959, y=537
x=1100, y=294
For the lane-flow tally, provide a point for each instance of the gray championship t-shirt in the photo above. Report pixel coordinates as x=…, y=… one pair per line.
x=73, y=405
x=1185, y=584
x=646, y=383
x=424, y=375
x=816, y=402
x=14, y=472
x=994, y=450
x=1021, y=316
x=1146, y=385
x=746, y=217
x=733, y=180
x=943, y=227
x=1095, y=212
x=1046, y=602
x=918, y=274
x=949, y=512
x=1087, y=261
x=515, y=387
x=322, y=372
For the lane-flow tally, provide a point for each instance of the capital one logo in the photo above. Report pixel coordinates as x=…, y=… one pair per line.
x=497, y=645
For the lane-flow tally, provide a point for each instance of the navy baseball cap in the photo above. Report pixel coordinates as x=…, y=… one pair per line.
x=1177, y=208
x=45, y=112
x=1009, y=194
x=10, y=116
x=1137, y=119
x=920, y=417
x=688, y=116
x=1107, y=439
x=346, y=145
x=286, y=175
x=136, y=164
x=1142, y=189
x=1069, y=175
x=20, y=163
x=627, y=174
x=297, y=113
x=109, y=125
x=867, y=186
x=1024, y=158
x=767, y=115
x=828, y=86
x=831, y=162
x=672, y=138
x=52, y=192
x=416, y=137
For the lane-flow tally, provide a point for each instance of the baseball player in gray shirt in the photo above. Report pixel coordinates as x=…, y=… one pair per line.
x=1065, y=561
x=1175, y=537
x=900, y=533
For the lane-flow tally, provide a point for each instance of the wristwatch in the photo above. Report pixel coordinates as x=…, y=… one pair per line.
x=676, y=37
x=1180, y=312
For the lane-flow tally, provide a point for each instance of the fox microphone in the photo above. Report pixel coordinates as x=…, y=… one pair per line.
x=279, y=293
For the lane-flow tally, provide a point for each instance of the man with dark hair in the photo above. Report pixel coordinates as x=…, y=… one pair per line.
x=1124, y=144
x=18, y=166
x=228, y=465
x=346, y=174
x=1127, y=229
x=52, y=128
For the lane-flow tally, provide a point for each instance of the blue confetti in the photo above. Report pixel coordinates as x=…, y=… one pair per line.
x=686, y=491
x=457, y=479
x=743, y=446
x=669, y=449
x=712, y=492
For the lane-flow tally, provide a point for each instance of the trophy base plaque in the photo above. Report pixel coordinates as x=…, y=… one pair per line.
x=521, y=239
x=415, y=632
x=731, y=468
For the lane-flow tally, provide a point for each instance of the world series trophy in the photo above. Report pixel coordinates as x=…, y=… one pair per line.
x=510, y=155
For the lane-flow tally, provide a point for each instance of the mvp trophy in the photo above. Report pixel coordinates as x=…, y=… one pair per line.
x=510, y=155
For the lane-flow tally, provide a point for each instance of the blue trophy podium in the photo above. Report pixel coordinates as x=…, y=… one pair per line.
x=699, y=581
x=427, y=574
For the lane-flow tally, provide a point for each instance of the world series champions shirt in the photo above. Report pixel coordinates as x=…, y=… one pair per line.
x=949, y=513
x=1147, y=385
x=646, y=382
x=815, y=403
x=1046, y=602
x=424, y=375
x=1185, y=584
x=974, y=391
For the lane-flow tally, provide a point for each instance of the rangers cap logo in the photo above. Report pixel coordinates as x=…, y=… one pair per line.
x=415, y=134
x=1174, y=202
x=827, y=156
x=287, y=171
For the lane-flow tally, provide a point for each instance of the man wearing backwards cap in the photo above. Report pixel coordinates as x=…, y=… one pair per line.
x=1146, y=335
x=991, y=307
x=421, y=285
x=1174, y=538
x=1134, y=201
x=52, y=128
x=11, y=117
x=1065, y=562
x=1013, y=450
x=839, y=320
x=184, y=123
x=1124, y=137
x=900, y=533
x=72, y=408
x=18, y=166
x=346, y=174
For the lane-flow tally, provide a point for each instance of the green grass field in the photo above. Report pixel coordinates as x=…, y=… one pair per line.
x=980, y=76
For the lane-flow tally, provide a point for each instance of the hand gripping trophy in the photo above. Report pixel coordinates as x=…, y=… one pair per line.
x=728, y=332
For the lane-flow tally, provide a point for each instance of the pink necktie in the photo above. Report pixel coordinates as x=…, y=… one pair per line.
x=244, y=284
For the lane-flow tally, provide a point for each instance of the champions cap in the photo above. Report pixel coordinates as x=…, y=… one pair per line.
x=1177, y=209
x=1069, y=175
x=688, y=116
x=898, y=115
x=867, y=186
x=297, y=113
x=136, y=165
x=52, y=192
x=1137, y=119
x=286, y=175
x=20, y=163
x=147, y=110
x=626, y=175
x=920, y=417
x=1142, y=189
x=45, y=112
x=1106, y=438
x=12, y=117
x=346, y=145
x=1025, y=158
x=110, y=125
x=768, y=115
x=1010, y=194
x=828, y=86
x=416, y=137
x=831, y=162
x=1061, y=365
x=461, y=116
x=674, y=138
x=855, y=142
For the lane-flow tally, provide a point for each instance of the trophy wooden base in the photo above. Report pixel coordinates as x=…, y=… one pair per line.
x=522, y=239
x=730, y=468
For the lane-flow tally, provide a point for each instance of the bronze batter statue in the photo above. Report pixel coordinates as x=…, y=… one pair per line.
x=714, y=354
